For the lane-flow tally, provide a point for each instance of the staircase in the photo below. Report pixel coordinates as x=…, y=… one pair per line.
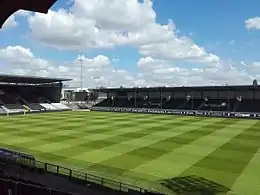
x=99, y=100
x=201, y=105
x=22, y=101
x=165, y=101
x=183, y=104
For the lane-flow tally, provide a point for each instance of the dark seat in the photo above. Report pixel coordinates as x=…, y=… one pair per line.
x=13, y=106
x=35, y=106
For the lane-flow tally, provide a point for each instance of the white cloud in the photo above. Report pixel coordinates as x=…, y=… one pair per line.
x=11, y=52
x=99, y=61
x=163, y=72
x=116, y=14
x=254, y=67
x=10, y=23
x=149, y=63
x=16, y=57
x=23, y=13
x=179, y=49
x=253, y=23
x=122, y=22
x=99, y=71
x=12, y=20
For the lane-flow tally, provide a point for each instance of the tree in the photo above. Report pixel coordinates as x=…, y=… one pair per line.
x=255, y=82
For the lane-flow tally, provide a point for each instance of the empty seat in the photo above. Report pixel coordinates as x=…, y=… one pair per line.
x=48, y=106
x=216, y=105
x=14, y=106
x=105, y=103
x=61, y=106
x=35, y=106
x=83, y=106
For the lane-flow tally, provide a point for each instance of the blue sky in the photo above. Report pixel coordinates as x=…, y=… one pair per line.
x=210, y=42
x=215, y=24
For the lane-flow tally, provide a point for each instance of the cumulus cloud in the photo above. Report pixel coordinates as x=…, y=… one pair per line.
x=12, y=20
x=166, y=73
x=253, y=23
x=15, y=58
x=180, y=49
x=23, y=13
x=122, y=22
x=100, y=71
x=99, y=61
x=97, y=71
x=253, y=67
x=10, y=23
x=116, y=14
x=164, y=52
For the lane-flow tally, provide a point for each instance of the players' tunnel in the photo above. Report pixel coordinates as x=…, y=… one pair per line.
x=9, y=7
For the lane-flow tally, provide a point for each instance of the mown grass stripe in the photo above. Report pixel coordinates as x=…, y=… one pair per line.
x=149, y=152
x=248, y=181
x=103, y=143
x=229, y=160
x=31, y=131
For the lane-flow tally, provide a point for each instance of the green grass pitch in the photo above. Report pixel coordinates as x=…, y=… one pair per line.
x=140, y=148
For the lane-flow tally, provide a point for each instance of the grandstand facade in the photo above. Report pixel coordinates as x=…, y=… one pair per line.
x=19, y=94
x=244, y=98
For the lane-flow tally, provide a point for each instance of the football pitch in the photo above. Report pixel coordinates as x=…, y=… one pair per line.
x=142, y=149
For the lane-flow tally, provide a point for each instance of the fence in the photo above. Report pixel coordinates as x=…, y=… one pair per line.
x=70, y=174
x=8, y=186
x=89, y=178
x=13, y=157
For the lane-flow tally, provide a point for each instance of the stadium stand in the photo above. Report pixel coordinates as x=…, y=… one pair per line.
x=81, y=99
x=48, y=106
x=100, y=98
x=72, y=105
x=83, y=106
x=35, y=107
x=2, y=110
x=13, y=108
x=30, y=94
x=106, y=102
x=217, y=105
x=222, y=100
x=61, y=106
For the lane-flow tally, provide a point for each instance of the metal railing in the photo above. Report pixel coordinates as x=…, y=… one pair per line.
x=89, y=178
x=9, y=186
x=30, y=162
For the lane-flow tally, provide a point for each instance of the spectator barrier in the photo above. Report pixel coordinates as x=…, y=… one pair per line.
x=8, y=186
x=13, y=157
x=180, y=112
